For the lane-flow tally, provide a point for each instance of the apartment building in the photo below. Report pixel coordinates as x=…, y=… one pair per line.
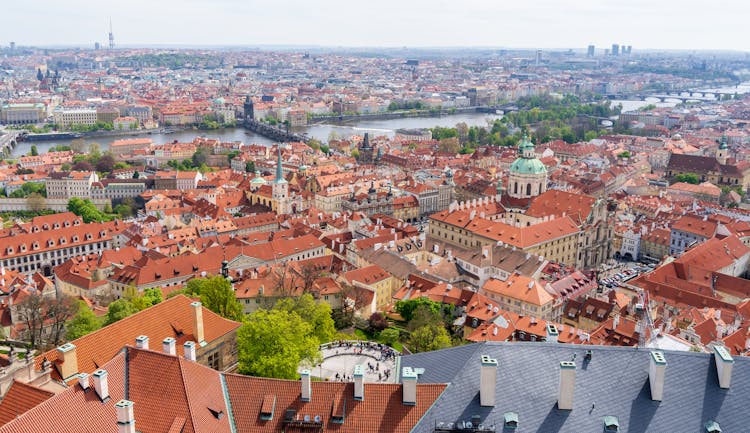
x=69, y=184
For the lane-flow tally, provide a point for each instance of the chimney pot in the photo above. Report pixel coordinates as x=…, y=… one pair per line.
x=487, y=380
x=125, y=417
x=306, y=386
x=656, y=372
x=567, y=385
x=359, y=382
x=552, y=333
x=189, y=349
x=100, y=384
x=141, y=342
x=409, y=386
x=724, y=364
x=198, y=322
x=168, y=346
x=83, y=380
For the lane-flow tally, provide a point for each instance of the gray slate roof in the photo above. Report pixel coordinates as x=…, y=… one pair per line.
x=614, y=383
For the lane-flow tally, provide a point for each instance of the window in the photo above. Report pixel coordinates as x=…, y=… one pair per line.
x=510, y=420
x=611, y=424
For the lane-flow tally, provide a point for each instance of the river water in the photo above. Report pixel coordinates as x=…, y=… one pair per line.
x=631, y=105
x=319, y=131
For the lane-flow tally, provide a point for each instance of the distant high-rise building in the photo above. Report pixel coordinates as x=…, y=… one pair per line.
x=615, y=50
x=97, y=46
x=12, y=46
x=606, y=52
x=111, y=36
x=590, y=52
x=630, y=49
x=538, y=59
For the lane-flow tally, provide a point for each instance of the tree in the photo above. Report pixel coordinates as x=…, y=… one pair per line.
x=377, y=322
x=86, y=210
x=119, y=310
x=78, y=145
x=406, y=308
x=59, y=311
x=314, y=144
x=106, y=163
x=355, y=153
x=153, y=296
x=429, y=337
x=217, y=295
x=687, y=177
x=31, y=314
x=449, y=145
x=389, y=336
x=34, y=150
x=84, y=322
x=309, y=273
x=274, y=343
x=318, y=315
x=250, y=167
x=200, y=157
x=36, y=202
x=83, y=166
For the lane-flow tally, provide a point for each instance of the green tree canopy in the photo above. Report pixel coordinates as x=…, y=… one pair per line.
x=217, y=295
x=86, y=210
x=429, y=337
x=318, y=315
x=84, y=322
x=119, y=310
x=273, y=343
x=406, y=308
x=687, y=177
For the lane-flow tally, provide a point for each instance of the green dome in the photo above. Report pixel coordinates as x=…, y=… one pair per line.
x=528, y=166
x=258, y=180
x=302, y=167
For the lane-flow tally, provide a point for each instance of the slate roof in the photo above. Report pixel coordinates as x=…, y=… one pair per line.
x=613, y=383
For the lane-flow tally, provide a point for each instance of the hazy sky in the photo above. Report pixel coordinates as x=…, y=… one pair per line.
x=681, y=24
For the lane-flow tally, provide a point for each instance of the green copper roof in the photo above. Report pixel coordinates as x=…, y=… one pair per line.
x=723, y=142
x=528, y=166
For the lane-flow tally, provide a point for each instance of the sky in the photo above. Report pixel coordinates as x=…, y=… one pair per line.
x=644, y=24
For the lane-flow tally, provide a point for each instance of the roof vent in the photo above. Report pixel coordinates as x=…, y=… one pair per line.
x=611, y=424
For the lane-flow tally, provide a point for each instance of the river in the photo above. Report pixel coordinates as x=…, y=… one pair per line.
x=318, y=131
x=631, y=105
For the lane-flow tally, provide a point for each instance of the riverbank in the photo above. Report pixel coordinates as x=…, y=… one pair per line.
x=315, y=120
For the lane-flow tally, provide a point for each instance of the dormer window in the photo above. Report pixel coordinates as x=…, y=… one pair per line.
x=510, y=420
x=77, y=222
x=23, y=247
x=10, y=250
x=56, y=225
x=35, y=246
x=712, y=427
x=45, y=226
x=63, y=241
x=102, y=233
x=50, y=243
x=75, y=238
x=268, y=407
x=66, y=223
x=611, y=424
x=88, y=236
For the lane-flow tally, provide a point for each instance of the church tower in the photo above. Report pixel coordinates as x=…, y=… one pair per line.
x=366, y=151
x=280, y=188
x=528, y=175
x=248, y=108
x=723, y=152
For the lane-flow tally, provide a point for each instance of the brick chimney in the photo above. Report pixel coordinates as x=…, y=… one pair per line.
x=306, y=393
x=724, y=364
x=567, y=385
x=100, y=384
x=125, y=417
x=409, y=386
x=168, y=346
x=67, y=353
x=198, y=322
x=656, y=371
x=487, y=380
x=141, y=342
x=359, y=382
x=189, y=348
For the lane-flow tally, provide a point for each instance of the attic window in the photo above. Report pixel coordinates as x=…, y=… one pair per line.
x=268, y=407
x=56, y=225
x=611, y=424
x=10, y=250
x=712, y=427
x=338, y=409
x=75, y=238
x=510, y=420
x=50, y=243
x=63, y=241
x=217, y=413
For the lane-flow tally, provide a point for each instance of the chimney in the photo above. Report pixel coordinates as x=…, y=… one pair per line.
x=189, y=348
x=359, y=382
x=100, y=384
x=168, y=346
x=83, y=380
x=198, y=322
x=552, y=333
x=487, y=380
x=125, y=418
x=724, y=364
x=615, y=321
x=567, y=385
x=656, y=371
x=67, y=353
x=141, y=342
x=306, y=387
x=409, y=386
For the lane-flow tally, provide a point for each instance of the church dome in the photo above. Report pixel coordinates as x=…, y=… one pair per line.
x=528, y=166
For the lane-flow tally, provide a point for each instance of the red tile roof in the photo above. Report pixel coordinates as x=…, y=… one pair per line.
x=19, y=398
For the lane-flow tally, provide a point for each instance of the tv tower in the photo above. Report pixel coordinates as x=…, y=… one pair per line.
x=111, y=36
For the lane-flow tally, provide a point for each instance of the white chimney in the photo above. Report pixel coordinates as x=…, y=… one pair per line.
x=359, y=382
x=552, y=333
x=83, y=380
x=168, y=346
x=567, y=385
x=656, y=371
x=141, y=341
x=724, y=364
x=100, y=384
x=615, y=321
x=189, y=348
x=125, y=417
x=487, y=380
x=409, y=386
x=306, y=387
x=198, y=322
